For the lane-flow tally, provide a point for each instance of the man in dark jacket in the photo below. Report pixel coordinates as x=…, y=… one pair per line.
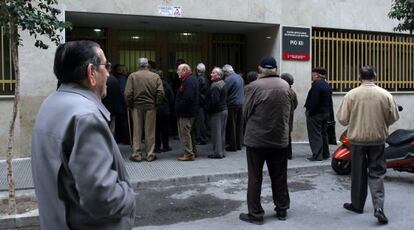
x=216, y=104
x=164, y=110
x=112, y=94
x=318, y=107
x=186, y=109
x=202, y=127
x=235, y=99
x=266, y=112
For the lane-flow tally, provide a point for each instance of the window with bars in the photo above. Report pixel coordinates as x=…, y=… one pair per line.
x=343, y=53
x=7, y=80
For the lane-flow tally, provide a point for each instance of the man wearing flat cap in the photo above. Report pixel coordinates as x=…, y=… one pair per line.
x=266, y=112
x=318, y=107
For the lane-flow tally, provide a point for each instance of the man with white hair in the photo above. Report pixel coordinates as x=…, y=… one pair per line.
x=201, y=126
x=186, y=109
x=143, y=92
x=235, y=100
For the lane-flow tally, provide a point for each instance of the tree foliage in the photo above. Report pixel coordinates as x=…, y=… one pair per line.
x=403, y=11
x=40, y=19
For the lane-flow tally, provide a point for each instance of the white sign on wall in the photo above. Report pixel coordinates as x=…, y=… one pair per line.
x=170, y=11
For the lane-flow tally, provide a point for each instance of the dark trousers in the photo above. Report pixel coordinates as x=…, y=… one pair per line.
x=162, y=131
x=202, y=127
x=234, y=128
x=368, y=168
x=318, y=137
x=276, y=161
x=121, y=129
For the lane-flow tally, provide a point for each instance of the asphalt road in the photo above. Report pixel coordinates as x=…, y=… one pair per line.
x=316, y=196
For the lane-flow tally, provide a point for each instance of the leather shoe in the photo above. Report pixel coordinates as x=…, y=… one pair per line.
x=136, y=158
x=313, y=159
x=229, y=149
x=251, y=219
x=214, y=156
x=350, y=207
x=281, y=214
x=186, y=157
x=379, y=214
x=152, y=157
x=166, y=149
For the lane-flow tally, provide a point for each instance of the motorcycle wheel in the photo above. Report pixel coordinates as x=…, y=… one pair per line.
x=341, y=167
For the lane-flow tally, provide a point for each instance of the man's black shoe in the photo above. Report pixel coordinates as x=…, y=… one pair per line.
x=251, y=219
x=214, y=156
x=228, y=149
x=350, y=207
x=166, y=149
x=379, y=214
x=313, y=159
x=281, y=214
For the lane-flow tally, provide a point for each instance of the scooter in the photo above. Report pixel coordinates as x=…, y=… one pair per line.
x=399, y=154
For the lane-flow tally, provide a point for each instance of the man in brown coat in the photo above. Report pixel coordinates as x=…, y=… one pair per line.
x=266, y=112
x=143, y=91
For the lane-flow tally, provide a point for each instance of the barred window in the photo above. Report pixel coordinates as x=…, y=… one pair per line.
x=343, y=53
x=7, y=81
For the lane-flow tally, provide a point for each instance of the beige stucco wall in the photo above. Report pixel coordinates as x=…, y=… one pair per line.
x=37, y=79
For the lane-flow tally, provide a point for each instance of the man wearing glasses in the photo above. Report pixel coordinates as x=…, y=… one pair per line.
x=78, y=171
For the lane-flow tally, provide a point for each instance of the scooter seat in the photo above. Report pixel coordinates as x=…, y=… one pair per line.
x=400, y=136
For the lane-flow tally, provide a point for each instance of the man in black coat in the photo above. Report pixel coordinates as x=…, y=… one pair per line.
x=318, y=107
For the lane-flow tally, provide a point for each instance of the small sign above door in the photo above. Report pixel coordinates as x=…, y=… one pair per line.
x=170, y=11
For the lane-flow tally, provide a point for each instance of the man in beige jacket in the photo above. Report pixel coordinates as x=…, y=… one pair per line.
x=368, y=111
x=143, y=92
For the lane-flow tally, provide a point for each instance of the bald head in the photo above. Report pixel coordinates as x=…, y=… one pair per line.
x=182, y=69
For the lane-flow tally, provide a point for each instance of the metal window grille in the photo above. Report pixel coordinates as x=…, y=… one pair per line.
x=7, y=80
x=343, y=53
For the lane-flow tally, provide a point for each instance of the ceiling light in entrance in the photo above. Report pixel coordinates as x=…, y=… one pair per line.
x=135, y=37
x=186, y=34
x=97, y=30
x=268, y=37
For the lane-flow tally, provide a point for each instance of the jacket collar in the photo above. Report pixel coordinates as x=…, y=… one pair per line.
x=88, y=94
x=186, y=75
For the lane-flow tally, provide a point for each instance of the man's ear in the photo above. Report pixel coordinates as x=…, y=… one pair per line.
x=91, y=75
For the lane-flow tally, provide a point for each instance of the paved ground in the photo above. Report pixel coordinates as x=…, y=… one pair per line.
x=210, y=193
x=316, y=195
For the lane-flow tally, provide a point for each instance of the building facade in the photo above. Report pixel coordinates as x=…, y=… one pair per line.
x=344, y=35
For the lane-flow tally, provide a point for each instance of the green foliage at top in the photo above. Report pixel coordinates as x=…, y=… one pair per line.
x=38, y=17
x=403, y=11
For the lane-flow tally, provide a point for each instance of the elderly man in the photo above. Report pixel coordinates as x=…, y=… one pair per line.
x=266, y=112
x=318, y=107
x=368, y=111
x=143, y=92
x=186, y=109
x=78, y=171
x=216, y=104
x=202, y=127
x=235, y=99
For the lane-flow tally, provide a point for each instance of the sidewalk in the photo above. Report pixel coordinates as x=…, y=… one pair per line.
x=166, y=170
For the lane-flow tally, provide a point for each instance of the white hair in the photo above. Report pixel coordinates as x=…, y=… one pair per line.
x=219, y=71
x=228, y=68
x=143, y=62
x=201, y=67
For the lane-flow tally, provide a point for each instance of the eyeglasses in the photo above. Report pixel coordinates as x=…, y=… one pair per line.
x=107, y=65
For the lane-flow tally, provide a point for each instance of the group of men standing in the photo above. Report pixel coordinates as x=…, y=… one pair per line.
x=78, y=171
x=200, y=102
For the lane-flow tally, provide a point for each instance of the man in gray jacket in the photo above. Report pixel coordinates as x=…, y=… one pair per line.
x=78, y=171
x=266, y=112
